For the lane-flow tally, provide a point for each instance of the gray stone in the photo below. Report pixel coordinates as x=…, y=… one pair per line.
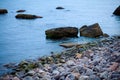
x=84, y=77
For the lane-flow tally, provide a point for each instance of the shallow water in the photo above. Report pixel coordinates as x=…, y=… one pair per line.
x=25, y=39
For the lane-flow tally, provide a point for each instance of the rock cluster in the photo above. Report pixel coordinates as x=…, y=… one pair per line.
x=98, y=61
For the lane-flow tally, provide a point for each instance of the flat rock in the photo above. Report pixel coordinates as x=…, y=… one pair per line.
x=69, y=45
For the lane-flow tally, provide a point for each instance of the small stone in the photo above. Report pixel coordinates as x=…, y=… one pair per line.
x=77, y=75
x=78, y=55
x=31, y=73
x=94, y=77
x=113, y=66
x=56, y=72
x=104, y=75
x=70, y=77
x=28, y=78
x=15, y=78
x=84, y=77
x=70, y=63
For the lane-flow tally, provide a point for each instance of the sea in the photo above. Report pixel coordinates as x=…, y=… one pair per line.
x=22, y=39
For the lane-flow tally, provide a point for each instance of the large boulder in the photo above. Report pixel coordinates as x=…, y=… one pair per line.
x=117, y=11
x=27, y=16
x=93, y=30
x=62, y=32
x=3, y=11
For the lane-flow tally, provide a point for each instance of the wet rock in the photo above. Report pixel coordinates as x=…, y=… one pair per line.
x=31, y=73
x=69, y=45
x=62, y=32
x=15, y=78
x=104, y=75
x=117, y=59
x=70, y=77
x=27, y=16
x=77, y=75
x=114, y=66
x=115, y=76
x=70, y=63
x=55, y=72
x=117, y=11
x=84, y=77
x=21, y=11
x=59, y=8
x=28, y=78
x=93, y=30
x=94, y=77
x=3, y=11
x=105, y=35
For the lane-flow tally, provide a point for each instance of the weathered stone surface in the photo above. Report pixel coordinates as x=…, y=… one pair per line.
x=91, y=31
x=21, y=11
x=62, y=32
x=3, y=11
x=27, y=16
x=117, y=11
x=69, y=45
x=59, y=7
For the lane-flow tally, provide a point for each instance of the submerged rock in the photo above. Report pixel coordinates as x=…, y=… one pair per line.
x=59, y=7
x=3, y=11
x=93, y=30
x=62, y=32
x=27, y=16
x=117, y=11
x=21, y=11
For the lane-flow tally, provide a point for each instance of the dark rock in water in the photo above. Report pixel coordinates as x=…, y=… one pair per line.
x=3, y=11
x=91, y=31
x=59, y=8
x=62, y=32
x=27, y=16
x=117, y=11
x=21, y=11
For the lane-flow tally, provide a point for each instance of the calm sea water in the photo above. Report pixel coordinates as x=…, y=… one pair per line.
x=25, y=39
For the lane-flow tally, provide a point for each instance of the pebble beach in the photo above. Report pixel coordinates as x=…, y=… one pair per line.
x=98, y=60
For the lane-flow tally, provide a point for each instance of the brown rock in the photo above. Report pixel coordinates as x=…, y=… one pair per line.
x=3, y=11
x=27, y=16
x=114, y=66
x=62, y=32
x=91, y=31
x=117, y=11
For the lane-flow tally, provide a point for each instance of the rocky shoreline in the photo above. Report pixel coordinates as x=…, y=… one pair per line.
x=98, y=60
